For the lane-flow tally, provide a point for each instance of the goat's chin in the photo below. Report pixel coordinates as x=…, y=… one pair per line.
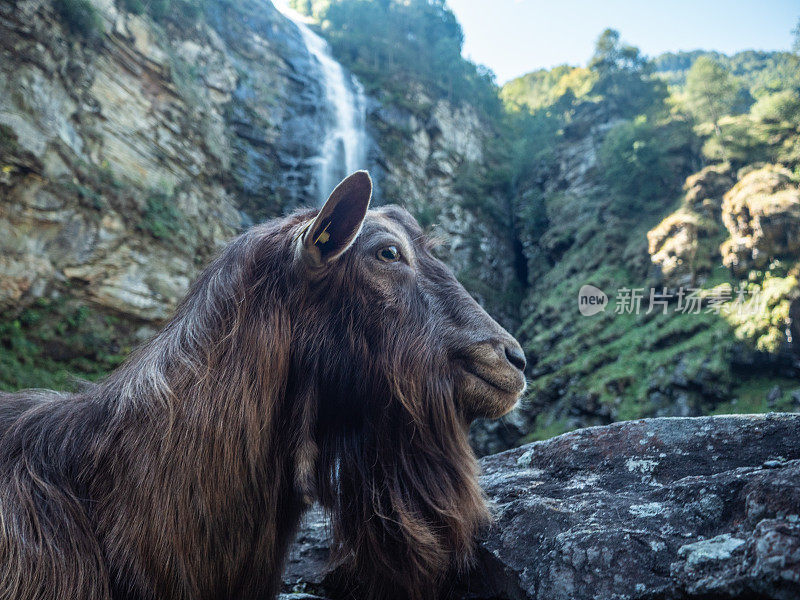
x=481, y=399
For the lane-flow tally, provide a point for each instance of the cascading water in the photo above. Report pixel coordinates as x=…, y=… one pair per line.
x=344, y=148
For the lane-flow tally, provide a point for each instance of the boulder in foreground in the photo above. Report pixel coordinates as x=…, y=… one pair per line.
x=666, y=508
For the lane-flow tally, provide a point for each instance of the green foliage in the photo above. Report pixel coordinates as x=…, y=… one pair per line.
x=781, y=107
x=622, y=365
x=751, y=396
x=635, y=163
x=54, y=342
x=761, y=72
x=395, y=46
x=738, y=140
x=544, y=88
x=712, y=92
x=769, y=133
x=81, y=18
x=161, y=218
x=533, y=142
x=624, y=77
x=763, y=320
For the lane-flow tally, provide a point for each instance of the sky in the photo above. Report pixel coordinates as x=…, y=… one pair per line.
x=513, y=37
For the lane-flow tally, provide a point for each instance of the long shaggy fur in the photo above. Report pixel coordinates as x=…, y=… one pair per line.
x=184, y=474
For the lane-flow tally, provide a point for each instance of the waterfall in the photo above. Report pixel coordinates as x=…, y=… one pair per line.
x=344, y=147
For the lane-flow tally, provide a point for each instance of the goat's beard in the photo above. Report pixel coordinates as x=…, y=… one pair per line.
x=402, y=491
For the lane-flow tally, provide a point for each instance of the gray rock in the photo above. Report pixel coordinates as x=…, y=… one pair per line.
x=307, y=561
x=660, y=508
x=773, y=396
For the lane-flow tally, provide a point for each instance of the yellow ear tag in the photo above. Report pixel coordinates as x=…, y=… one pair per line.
x=324, y=236
x=302, y=230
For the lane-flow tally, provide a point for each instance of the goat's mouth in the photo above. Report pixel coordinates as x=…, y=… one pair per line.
x=503, y=384
x=489, y=391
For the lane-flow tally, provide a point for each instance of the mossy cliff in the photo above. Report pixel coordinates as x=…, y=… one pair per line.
x=654, y=201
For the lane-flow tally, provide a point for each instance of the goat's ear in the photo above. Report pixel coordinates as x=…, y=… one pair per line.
x=337, y=225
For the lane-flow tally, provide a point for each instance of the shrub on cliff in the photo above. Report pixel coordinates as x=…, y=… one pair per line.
x=624, y=77
x=768, y=133
x=81, y=18
x=56, y=342
x=643, y=163
x=161, y=218
x=781, y=107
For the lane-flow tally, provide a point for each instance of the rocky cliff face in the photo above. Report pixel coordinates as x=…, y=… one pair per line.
x=431, y=161
x=660, y=508
x=674, y=244
x=129, y=160
x=762, y=214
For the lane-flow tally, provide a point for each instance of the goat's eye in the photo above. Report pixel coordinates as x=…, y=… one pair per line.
x=389, y=254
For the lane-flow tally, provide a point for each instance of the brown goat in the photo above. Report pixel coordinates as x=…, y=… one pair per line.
x=322, y=356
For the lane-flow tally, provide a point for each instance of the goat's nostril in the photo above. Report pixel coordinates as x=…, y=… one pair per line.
x=515, y=357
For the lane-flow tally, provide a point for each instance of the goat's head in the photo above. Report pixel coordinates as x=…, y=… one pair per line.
x=399, y=309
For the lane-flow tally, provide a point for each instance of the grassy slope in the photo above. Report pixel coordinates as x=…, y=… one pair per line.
x=55, y=343
x=626, y=366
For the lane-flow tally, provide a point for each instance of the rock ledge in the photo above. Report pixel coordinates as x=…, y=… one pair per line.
x=664, y=508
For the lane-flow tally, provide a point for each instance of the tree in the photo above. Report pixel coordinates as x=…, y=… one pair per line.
x=624, y=77
x=643, y=163
x=543, y=88
x=711, y=93
x=780, y=107
x=400, y=46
